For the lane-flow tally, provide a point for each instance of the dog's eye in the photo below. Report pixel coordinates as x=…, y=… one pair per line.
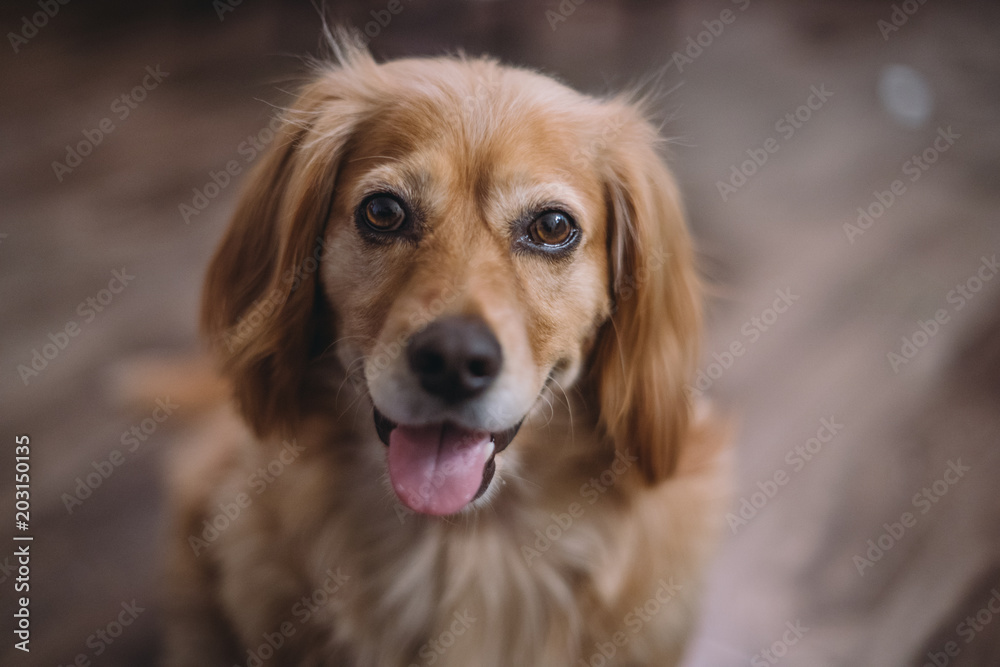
x=383, y=213
x=552, y=229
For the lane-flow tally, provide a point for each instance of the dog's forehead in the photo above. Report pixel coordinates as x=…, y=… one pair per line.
x=481, y=111
x=504, y=137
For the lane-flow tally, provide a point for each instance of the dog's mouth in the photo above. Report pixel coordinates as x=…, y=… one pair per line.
x=440, y=468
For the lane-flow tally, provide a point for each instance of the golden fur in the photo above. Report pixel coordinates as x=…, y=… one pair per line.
x=605, y=506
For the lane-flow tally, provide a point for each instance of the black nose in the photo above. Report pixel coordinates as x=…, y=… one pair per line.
x=455, y=357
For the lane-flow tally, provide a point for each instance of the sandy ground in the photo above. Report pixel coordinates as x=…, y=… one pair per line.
x=837, y=443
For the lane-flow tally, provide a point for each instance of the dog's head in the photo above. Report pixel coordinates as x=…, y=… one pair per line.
x=459, y=235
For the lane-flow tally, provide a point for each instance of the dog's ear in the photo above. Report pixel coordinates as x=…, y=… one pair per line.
x=646, y=354
x=258, y=305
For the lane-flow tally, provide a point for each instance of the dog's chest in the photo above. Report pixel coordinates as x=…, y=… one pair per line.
x=420, y=592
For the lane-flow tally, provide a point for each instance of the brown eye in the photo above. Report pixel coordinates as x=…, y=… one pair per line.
x=383, y=213
x=553, y=229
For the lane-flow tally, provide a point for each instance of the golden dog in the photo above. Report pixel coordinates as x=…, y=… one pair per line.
x=458, y=310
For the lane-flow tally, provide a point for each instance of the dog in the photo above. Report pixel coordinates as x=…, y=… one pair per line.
x=458, y=310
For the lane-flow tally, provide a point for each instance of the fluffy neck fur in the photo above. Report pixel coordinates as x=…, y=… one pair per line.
x=552, y=566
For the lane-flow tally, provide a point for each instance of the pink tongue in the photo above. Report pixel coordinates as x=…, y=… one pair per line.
x=437, y=469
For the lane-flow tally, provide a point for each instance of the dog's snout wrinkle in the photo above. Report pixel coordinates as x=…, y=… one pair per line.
x=455, y=358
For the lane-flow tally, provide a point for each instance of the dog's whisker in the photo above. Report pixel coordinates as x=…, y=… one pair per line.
x=523, y=480
x=349, y=369
x=569, y=409
x=552, y=408
x=357, y=404
x=349, y=372
x=343, y=338
x=376, y=157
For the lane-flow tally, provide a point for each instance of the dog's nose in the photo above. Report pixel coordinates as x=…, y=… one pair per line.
x=455, y=357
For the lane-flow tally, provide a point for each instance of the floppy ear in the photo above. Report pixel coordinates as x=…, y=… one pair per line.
x=646, y=354
x=258, y=306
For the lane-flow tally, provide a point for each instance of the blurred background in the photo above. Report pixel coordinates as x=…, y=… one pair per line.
x=840, y=167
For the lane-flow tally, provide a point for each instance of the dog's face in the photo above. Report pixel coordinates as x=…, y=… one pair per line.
x=485, y=232
x=467, y=262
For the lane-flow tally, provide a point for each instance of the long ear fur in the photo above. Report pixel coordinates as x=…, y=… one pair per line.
x=646, y=354
x=259, y=297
